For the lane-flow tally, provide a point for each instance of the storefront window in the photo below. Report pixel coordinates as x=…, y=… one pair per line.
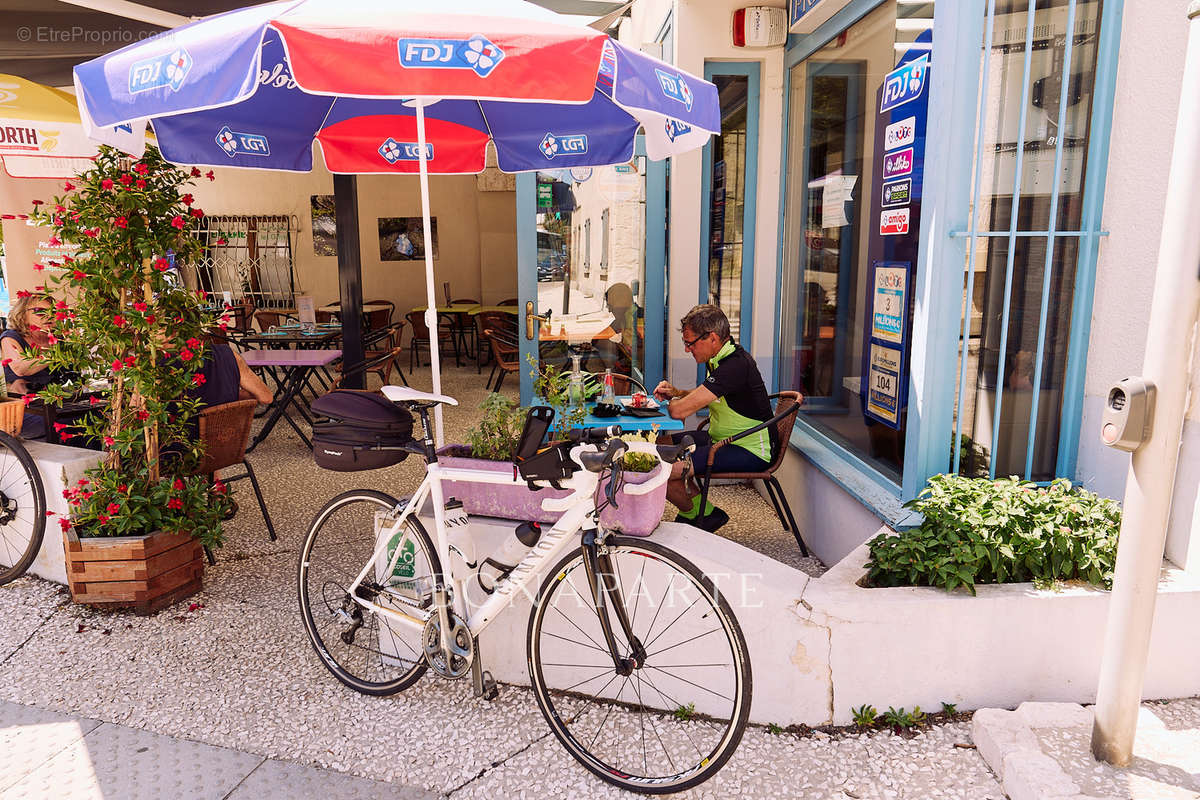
x=856, y=131
x=727, y=200
x=1021, y=264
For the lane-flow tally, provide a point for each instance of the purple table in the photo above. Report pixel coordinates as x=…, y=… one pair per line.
x=296, y=366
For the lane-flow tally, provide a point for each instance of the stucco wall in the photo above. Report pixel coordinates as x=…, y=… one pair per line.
x=1150, y=66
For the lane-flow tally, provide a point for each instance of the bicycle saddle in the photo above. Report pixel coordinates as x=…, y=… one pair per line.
x=398, y=394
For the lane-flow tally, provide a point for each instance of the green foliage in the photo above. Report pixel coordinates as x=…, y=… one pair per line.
x=552, y=384
x=865, y=716
x=1004, y=531
x=118, y=316
x=973, y=460
x=640, y=462
x=949, y=709
x=899, y=718
x=684, y=713
x=496, y=436
x=774, y=729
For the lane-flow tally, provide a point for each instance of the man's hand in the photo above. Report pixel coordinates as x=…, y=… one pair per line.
x=665, y=391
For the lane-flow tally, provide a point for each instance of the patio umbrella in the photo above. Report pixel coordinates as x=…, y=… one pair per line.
x=397, y=86
x=40, y=132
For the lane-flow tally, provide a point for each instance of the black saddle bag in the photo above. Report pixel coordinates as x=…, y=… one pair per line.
x=359, y=430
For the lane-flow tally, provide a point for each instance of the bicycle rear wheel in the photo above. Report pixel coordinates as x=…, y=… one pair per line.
x=22, y=509
x=677, y=716
x=361, y=647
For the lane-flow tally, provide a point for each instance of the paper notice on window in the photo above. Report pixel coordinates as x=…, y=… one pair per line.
x=883, y=384
x=837, y=190
x=307, y=313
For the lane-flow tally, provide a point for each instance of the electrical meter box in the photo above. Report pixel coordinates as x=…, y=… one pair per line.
x=1128, y=414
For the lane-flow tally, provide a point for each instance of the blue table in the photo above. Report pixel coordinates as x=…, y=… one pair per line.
x=665, y=423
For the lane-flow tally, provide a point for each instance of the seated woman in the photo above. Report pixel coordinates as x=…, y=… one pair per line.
x=28, y=329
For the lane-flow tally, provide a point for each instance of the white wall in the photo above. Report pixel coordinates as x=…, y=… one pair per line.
x=1153, y=41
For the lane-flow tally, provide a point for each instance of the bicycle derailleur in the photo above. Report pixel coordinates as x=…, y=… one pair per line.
x=457, y=662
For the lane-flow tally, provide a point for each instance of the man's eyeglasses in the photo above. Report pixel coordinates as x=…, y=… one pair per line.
x=689, y=345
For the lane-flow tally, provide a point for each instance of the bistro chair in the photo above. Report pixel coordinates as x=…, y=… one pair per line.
x=271, y=319
x=381, y=364
x=420, y=337
x=786, y=407
x=622, y=384
x=225, y=432
x=463, y=327
x=377, y=320
x=500, y=321
x=511, y=301
x=506, y=353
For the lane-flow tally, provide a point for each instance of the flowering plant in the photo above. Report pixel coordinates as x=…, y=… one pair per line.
x=120, y=315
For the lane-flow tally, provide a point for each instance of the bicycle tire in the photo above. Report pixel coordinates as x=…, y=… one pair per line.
x=22, y=509
x=326, y=608
x=668, y=712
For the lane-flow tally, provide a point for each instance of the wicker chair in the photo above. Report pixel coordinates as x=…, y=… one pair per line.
x=786, y=407
x=225, y=432
x=506, y=352
x=420, y=337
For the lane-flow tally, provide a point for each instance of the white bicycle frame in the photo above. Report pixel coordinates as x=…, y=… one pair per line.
x=576, y=508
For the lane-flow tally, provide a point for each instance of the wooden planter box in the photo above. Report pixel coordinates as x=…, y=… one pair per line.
x=145, y=573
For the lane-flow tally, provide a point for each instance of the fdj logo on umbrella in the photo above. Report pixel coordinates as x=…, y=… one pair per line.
x=675, y=129
x=574, y=144
x=393, y=151
x=249, y=143
x=476, y=53
x=165, y=70
x=675, y=87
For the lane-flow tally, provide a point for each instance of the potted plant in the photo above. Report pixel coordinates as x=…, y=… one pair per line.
x=139, y=518
x=638, y=514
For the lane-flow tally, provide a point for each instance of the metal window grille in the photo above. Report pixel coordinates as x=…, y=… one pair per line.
x=1026, y=234
x=250, y=257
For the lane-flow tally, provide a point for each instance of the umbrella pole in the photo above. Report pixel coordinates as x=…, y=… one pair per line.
x=431, y=315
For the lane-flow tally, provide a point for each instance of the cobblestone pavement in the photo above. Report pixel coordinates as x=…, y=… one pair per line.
x=232, y=669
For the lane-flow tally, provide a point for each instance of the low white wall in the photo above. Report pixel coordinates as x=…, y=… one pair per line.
x=59, y=467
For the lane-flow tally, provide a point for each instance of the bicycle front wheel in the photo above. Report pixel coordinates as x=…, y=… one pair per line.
x=362, y=647
x=22, y=509
x=677, y=716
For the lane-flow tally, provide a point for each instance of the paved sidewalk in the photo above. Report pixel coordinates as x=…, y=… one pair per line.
x=48, y=755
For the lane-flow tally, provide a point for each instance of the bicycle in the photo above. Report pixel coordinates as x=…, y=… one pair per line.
x=636, y=661
x=22, y=509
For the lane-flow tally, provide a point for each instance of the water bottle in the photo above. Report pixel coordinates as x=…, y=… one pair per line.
x=575, y=387
x=459, y=541
x=515, y=547
x=608, y=395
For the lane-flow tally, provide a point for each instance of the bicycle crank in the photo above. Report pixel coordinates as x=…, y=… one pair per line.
x=457, y=662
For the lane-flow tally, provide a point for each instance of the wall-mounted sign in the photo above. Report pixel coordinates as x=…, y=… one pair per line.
x=889, y=302
x=897, y=193
x=899, y=134
x=893, y=221
x=886, y=348
x=904, y=84
x=798, y=8
x=883, y=385
x=898, y=163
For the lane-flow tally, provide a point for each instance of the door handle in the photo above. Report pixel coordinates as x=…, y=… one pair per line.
x=531, y=321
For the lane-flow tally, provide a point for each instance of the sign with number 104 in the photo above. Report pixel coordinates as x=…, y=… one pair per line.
x=883, y=385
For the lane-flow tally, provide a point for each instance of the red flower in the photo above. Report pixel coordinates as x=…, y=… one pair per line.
x=141, y=169
x=196, y=212
x=52, y=339
x=210, y=175
x=194, y=343
x=221, y=241
x=113, y=508
x=22, y=293
x=195, y=172
x=117, y=365
x=60, y=209
x=68, y=187
x=199, y=379
x=220, y=488
x=79, y=275
x=106, y=183
x=177, y=222
x=143, y=415
x=162, y=264
x=118, y=320
x=187, y=199
x=38, y=267
x=93, y=400
x=126, y=179
x=121, y=222
x=177, y=485
x=29, y=398
x=101, y=518
x=141, y=184
x=83, y=481
x=64, y=523
x=62, y=437
x=5, y=362
x=55, y=241
x=186, y=355
x=58, y=426
x=61, y=315
x=109, y=441
x=123, y=488
x=139, y=306
x=92, y=232
x=38, y=203
x=130, y=361
x=61, y=304
x=175, y=503
x=150, y=318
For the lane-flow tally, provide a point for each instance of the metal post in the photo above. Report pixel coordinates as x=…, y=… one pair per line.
x=431, y=314
x=345, y=206
x=1151, y=479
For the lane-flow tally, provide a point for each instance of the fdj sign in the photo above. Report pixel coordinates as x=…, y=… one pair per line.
x=248, y=143
x=897, y=193
x=675, y=87
x=476, y=54
x=904, y=84
x=575, y=144
x=166, y=70
x=393, y=151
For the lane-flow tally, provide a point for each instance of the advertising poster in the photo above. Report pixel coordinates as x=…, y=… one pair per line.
x=890, y=303
x=324, y=225
x=403, y=238
x=883, y=385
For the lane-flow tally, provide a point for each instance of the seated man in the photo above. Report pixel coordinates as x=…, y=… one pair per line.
x=736, y=399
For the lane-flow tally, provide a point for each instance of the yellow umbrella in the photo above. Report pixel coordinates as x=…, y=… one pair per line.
x=40, y=132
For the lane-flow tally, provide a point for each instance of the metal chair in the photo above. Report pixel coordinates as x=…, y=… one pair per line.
x=270, y=319
x=225, y=432
x=500, y=321
x=381, y=364
x=786, y=408
x=420, y=337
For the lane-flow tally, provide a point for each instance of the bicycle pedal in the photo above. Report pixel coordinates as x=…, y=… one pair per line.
x=490, y=688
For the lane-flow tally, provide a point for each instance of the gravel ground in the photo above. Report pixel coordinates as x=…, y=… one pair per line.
x=233, y=669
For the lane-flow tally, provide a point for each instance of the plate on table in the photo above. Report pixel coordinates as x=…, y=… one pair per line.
x=650, y=403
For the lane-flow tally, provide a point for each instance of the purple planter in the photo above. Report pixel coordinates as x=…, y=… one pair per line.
x=492, y=500
x=637, y=514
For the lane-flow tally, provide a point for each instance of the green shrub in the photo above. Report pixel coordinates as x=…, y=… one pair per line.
x=495, y=437
x=1003, y=531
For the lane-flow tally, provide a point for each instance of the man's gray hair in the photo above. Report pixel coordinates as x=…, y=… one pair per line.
x=706, y=319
